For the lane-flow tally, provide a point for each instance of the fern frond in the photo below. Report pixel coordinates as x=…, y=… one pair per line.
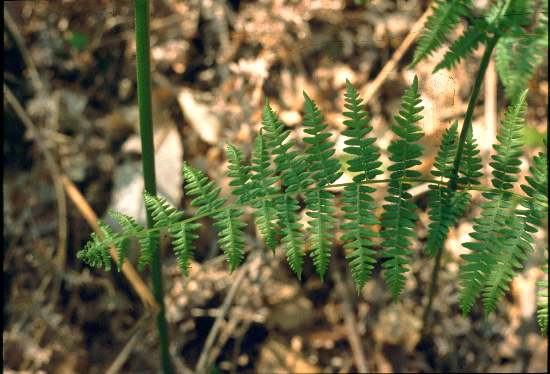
x=444, y=19
x=537, y=191
x=323, y=167
x=440, y=198
x=399, y=216
x=324, y=170
x=542, y=302
x=263, y=180
x=490, y=238
x=463, y=47
x=96, y=251
x=518, y=234
x=507, y=260
x=294, y=175
x=357, y=203
x=239, y=174
x=320, y=205
x=469, y=170
x=231, y=237
x=516, y=59
x=520, y=50
x=161, y=211
x=148, y=241
x=183, y=236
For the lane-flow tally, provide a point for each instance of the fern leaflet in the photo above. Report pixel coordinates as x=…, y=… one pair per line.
x=357, y=203
x=399, y=216
x=324, y=170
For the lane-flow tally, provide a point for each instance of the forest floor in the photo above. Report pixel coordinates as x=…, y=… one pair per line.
x=214, y=63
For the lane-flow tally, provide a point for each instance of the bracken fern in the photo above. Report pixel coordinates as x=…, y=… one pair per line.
x=279, y=173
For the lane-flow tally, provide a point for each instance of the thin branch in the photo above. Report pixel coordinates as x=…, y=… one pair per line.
x=54, y=169
x=373, y=87
x=13, y=31
x=204, y=356
x=350, y=323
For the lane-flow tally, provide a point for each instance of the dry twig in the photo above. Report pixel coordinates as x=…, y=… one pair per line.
x=350, y=323
x=373, y=87
x=204, y=356
x=55, y=172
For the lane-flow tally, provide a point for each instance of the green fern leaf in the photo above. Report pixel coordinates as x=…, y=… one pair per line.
x=522, y=48
x=324, y=170
x=440, y=197
x=294, y=175
x=444, y=19
x=208, y=201
x=263, y=180
x=469, y=171
x=231, y=237
x=163, y=214
x=183, y=236
x=357, y=204
x=463, y=47
x=239, y=174
x=506, y=260
x=488, y=233
x=130, y=228
x=399, y=216
x=96, y=251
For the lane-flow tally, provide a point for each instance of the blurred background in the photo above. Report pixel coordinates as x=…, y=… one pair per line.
x=71, y=152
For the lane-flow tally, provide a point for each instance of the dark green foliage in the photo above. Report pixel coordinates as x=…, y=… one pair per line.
x=183, y=234
x=520, y=27
x=231, y=237
x=239, y=174
x=445, y=18
x=440, y=197
x=262, y=182
x=500, y=239
x=324, y=170
x=279, y=173
x=292, y=170
x=96, y=251
x=357, y=203
x=469, y=171
x=463, y=47
x=399, y=217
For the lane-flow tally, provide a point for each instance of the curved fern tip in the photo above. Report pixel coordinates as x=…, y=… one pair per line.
x=415, y=82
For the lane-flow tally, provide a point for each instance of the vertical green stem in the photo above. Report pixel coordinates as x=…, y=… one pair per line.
x=148, y=160
x=453, y=181
x=433, y=288
x=489, y=47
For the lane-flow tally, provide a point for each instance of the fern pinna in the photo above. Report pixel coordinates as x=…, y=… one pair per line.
x=279, y=172
x=502, y=234
x=357, y=203
x=399, y=217
x=517, y=29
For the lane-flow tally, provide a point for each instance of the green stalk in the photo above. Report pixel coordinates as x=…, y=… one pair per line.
x=453, y=181
x=490, y=46
x=148, y=160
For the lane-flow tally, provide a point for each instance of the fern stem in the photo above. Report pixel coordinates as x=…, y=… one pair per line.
x=453, y=181
x=148, y=161
x=489, y=47
x=237, y=204
x=433, y=286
